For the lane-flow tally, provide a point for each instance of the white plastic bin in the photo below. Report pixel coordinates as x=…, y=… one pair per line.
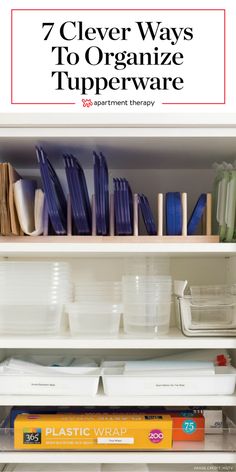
x=81, y=385
x=26, y=378
x=115, y=383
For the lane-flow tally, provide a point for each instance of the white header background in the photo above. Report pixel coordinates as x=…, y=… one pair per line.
x=33, y=60
x=202, y=71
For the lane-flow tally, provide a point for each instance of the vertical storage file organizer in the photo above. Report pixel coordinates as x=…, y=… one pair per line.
x=146, y=159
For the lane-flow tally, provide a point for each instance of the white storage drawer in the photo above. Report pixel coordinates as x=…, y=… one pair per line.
x=67, y=385
x=26, y=378
x=115, y=383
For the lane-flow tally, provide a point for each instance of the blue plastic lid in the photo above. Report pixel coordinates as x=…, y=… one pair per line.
x=197, y=213
x=173, y=213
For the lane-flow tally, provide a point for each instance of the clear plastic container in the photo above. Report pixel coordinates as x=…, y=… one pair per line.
x=46, y=297
x=30, y=319
x=147, y=266
x=207, y=316
x=209, y=291
x=32, y=295
x=209, y=311
x=148, y=319
x=146, y=304
x=94, y=319
x=148, y=281
x=98, y=292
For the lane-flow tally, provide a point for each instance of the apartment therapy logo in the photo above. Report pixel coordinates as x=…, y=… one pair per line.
x=70, y=60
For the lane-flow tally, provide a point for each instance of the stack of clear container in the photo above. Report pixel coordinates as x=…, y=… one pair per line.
x=96, y=309
x=209, y=310
x=32, y=296
x=146, y=304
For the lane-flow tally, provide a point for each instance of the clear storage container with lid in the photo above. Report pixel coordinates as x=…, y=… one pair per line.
x=146, y=304
x=32, y=296
x=97, y=309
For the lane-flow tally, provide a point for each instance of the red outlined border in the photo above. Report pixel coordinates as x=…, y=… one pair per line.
x=118, y=9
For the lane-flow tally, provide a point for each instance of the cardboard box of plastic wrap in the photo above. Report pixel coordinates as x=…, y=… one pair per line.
x=93, y=432
x=188, y=426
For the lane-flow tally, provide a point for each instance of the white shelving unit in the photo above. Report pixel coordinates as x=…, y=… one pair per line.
x=102, y=400
x=174, y=340
x=120, y=458
x=165, y=154
x=74, y=248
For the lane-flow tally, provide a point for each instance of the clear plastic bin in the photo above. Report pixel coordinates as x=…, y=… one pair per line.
x=30, y=319
x=210, y=291
x=32, y=295
x=207, y=316
x=208, y=311
x=146, y=304
x=147, y=319
x=149, y=265
x=92, y=319
x=98, y=292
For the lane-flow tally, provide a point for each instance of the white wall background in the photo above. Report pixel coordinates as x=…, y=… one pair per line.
x=34, y=85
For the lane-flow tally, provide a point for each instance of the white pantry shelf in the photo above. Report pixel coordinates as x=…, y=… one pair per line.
x=174, y=340
x=103, y=400
x=150, y=143
x=52, y=124
x=118, y=457
x=70, y=246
